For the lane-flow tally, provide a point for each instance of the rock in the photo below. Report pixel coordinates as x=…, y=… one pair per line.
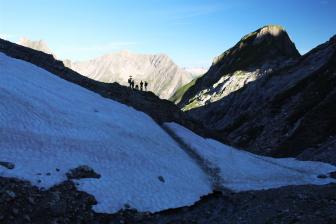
x=48, y=174
x=11, y=194
x=127, y=206
x=27, y=218
x=15, y=211
x=161, y=179
x=29, y=204
x=82, y=172
x=7, y=165
x=332, y=175
x=31, y=200
x=322, y=176
x=57, y=170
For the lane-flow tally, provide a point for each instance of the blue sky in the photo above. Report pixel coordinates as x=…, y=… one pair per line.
x=192, y=32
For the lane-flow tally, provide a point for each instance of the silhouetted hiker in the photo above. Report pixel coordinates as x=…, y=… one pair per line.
x=146, y=84
x=130, y=81
x=137, y=87
x=132, y=84
x=141, y=85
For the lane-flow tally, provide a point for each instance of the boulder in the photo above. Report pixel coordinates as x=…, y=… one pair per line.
x=82, y=172
x=7, y=165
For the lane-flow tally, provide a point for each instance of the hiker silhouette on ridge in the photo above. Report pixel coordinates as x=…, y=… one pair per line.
x=130, y=81
x=141, y=85
x=146, y=84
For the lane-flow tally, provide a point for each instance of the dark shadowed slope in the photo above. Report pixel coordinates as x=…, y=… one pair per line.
x=285, y=111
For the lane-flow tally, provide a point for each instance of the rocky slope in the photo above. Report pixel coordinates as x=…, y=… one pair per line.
x=280, y=108
x=24, y=203
x=162, y=74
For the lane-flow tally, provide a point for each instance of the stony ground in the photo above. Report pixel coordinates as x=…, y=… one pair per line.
x=22, y=203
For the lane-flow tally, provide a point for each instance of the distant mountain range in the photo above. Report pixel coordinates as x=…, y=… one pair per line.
x=162, y=74
x=197, y=71
x=39, y=45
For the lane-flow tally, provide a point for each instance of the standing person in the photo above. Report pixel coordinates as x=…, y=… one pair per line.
x=132, y=84
x=130, y=81
x=141, y=85
x=146, y=84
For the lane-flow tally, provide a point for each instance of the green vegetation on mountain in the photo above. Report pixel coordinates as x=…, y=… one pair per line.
x=176, y=98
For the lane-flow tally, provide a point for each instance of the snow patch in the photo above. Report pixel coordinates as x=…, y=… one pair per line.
x=47, y=123
x=242, y=171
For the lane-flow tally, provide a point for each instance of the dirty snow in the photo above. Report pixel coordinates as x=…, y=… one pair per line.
x=241, y=170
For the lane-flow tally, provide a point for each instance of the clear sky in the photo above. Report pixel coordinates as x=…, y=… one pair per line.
x=192, y=32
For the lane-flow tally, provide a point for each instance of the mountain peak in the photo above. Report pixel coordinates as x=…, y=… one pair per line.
x=274, y=30
x=267, y=43
x=271, y=30
x=256, y=54
x=39, y=45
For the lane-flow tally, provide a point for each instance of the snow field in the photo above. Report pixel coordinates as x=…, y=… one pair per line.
x=48, y=123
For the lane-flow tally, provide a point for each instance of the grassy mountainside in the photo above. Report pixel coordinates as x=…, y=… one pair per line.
x=176, y=98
